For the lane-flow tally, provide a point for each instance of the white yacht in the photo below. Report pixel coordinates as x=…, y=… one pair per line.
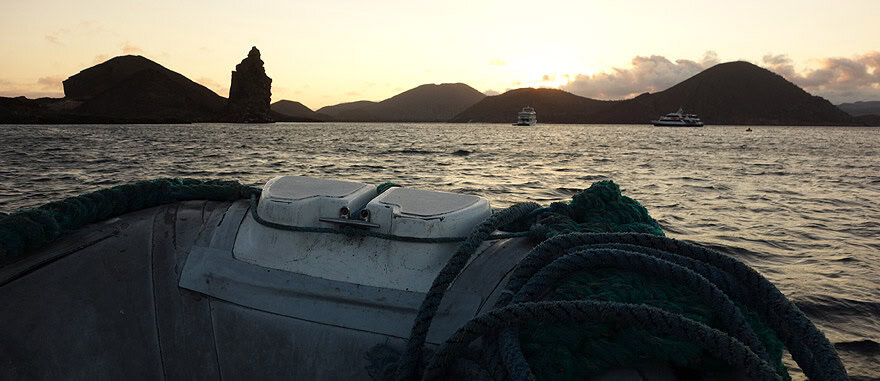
x=678, y=119
x=527, y=117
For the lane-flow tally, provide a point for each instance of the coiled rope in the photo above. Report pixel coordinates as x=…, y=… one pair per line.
x=730, y=288
x=654, y=319
x=555, y=258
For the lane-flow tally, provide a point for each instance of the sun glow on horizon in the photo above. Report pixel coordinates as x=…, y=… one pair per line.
x=346, y=51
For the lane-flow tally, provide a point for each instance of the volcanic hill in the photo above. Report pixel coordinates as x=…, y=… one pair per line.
x=730, y=93
x=552, y=105
x=292, y=111
x=136, y=88
x=425, y=103
x=861, y=108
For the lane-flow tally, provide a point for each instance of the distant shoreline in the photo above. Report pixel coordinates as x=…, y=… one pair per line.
x=498, y=124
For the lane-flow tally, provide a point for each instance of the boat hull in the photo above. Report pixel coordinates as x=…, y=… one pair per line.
x=158, y=294
x=658, y=123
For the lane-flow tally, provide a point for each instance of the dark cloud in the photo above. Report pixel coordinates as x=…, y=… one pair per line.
x=837, y=79
x=647, y=74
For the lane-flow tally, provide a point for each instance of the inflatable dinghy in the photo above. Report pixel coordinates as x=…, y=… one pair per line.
x=325, y=279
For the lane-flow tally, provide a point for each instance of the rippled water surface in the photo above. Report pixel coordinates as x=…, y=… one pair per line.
x=800, y=204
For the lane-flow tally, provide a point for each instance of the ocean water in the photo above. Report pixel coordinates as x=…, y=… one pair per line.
x=800, y=204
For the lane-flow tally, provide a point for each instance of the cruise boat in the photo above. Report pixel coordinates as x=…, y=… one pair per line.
x=527, y=117
x=678, y=119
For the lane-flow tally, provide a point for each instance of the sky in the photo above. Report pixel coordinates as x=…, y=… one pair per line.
x=327, y=52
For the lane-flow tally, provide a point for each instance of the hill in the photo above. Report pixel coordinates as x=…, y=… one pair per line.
x=292, y=111
x=861, y=108
x=425, y=103
x=552, y=105
x=136, y=88
x=349, y=111
x=731, y=93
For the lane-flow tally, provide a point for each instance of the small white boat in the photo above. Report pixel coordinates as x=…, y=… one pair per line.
x=527, y=117
x=678, y=119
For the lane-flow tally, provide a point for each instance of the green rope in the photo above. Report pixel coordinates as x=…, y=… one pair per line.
x=386, y=186
x=557, y=348
x=26, y=230
x=599, y=209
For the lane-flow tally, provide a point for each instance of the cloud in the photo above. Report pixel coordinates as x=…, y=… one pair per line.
x=53, y=39
x=353, y=93
x=497, y=62
x=100, y=58
x=646, y=74
x=80, y=30
x=490, y=93
x=548, y=78
x=14, y=89
x=51, y=82
x=129, y=48
x=215, y=86
x=837, y=79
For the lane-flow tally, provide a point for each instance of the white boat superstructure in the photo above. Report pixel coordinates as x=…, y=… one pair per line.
x=678, y=119
x=527, y=117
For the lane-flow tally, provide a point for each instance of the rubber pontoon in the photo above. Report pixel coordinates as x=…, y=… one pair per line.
x=315, y=283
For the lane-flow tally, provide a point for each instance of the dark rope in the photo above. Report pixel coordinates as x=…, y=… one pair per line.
x=807, y=345
x=26, y=230
x=410, y=361
x=381, y=188
x=728, y=349
x=731, y=317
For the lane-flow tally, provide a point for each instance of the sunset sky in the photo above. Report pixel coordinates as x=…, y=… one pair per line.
x=326, y=52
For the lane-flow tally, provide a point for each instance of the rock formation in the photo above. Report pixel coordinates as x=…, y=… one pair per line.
x=250, y=91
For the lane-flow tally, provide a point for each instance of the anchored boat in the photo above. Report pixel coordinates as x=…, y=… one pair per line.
x=526, y=117
x=326, y=279
x=678, y=119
